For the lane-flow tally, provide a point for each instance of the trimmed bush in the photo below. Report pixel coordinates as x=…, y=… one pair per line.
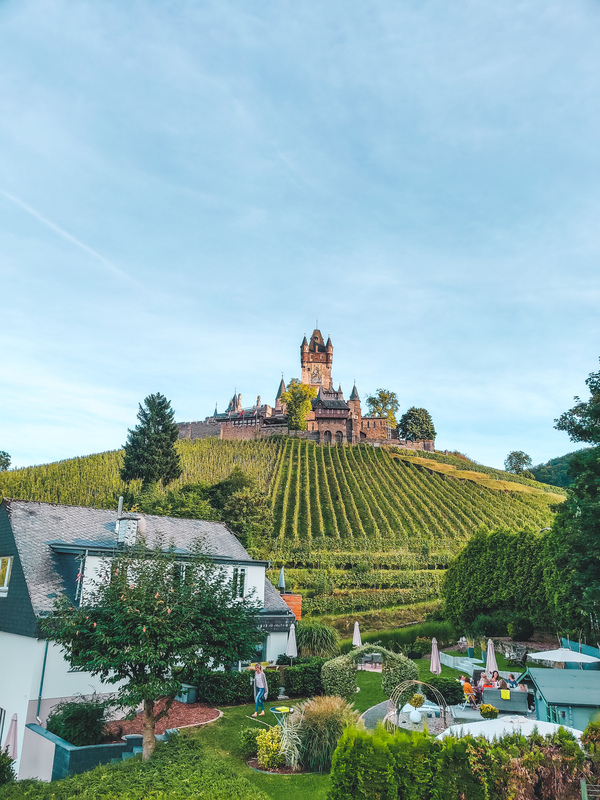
x=449, y=688
x=488, y=711
x=270, y=753
x=305, y=679
x=396, y=669
x=323, y=722
x=486, y=625
x=7, y=771
x=79, y=722
x=520, y=628
x=248, y=740
x=339, y=677
x=226, y=688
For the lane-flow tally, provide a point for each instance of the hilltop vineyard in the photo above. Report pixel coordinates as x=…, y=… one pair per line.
x=358, y=528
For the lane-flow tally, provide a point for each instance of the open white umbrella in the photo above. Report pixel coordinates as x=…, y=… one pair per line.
x=563, y=654
x=10, y=743
x=291, y=650
x=490, y=659
x=435, y=667
x=356, y=640
x=494, y=728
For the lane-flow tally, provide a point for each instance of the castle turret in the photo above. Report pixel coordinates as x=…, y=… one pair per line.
x=280, y=391
x=316, y=360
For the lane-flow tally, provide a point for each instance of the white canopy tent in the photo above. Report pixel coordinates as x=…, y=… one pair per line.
x=563, y=655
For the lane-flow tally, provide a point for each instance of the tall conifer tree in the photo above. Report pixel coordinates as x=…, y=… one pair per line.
x=150, y=452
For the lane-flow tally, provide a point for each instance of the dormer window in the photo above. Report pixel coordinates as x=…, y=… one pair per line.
x=5, y=568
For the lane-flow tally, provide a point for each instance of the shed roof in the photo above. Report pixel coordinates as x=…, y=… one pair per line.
x=567, y=687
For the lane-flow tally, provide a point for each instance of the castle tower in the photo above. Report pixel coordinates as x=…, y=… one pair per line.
x=316, y=359
x=280, y=391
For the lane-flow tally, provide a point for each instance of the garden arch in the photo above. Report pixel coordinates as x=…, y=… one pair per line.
x=400, y=690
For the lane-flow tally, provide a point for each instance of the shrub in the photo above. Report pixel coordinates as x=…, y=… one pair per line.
x=417, y=700
x=305, y=679
x=7, y=772
x=79, y=722
x=316, y=639
x=225, y=688
x=248, y=737
x=520, y=628
x=449, y=688
x=323, y=722
x=339, y=677
x=486, y=625
x=286, y=661
x=397, y=669
x=398, y=638
x=420, y=647
x=488, y=711
x=590, y=737
x=270, y=754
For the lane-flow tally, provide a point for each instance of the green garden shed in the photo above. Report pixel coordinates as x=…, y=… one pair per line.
x=566, y=696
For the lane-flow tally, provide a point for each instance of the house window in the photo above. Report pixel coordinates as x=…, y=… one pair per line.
x=239, y=581
x=5, y=568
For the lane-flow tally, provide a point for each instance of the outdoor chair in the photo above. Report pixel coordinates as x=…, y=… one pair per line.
x=377, y=658
x=469, y=701
x=366, y=659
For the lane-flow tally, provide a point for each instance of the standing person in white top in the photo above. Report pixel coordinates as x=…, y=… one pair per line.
x=261, y=690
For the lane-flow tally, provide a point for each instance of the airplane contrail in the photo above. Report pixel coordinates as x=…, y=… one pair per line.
x=66, y=235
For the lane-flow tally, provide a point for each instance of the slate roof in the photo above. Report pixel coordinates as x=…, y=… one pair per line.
x=568, y=687
x=273, y=602
x=36, y=525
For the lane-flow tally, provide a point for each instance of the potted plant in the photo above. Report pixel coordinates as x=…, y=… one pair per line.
x=488, y=711
x=416, y=701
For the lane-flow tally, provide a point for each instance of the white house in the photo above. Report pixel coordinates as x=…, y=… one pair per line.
x=47, y=550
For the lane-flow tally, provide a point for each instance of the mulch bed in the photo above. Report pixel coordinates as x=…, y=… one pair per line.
x=180, y=715
x=253, y=763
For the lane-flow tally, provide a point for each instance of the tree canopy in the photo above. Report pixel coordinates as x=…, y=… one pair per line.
x=573, y=545
x=4, y=460
x=297, y=399
x=416, y=424
x=384, y=403
x=517, y=462
x=150, y=452
x=153, y=621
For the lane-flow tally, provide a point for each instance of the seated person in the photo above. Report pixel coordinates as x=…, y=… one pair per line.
x=495, y=679
x=502, y=684
x=469, y=693
x=512, y=684
x=462, y=680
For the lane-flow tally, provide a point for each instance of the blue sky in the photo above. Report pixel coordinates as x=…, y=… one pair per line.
x=186, y=186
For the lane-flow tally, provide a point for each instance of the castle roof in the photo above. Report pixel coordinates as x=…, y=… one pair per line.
x=281, y=389
x=354, y=395
x=317, y=345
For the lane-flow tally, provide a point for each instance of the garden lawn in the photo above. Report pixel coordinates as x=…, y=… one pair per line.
x=221, y=738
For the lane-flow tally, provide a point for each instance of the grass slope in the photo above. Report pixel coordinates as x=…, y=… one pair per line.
x=359, y=529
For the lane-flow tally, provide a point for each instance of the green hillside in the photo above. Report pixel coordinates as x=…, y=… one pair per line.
x=556, y=470
x=358, y=528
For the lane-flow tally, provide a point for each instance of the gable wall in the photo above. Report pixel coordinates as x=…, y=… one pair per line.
x=16, y=611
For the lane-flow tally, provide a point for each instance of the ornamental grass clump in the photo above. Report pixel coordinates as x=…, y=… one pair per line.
x=316, y=639
x=323, y=722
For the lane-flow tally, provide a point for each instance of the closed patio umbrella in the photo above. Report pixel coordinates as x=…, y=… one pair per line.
x=435, y=667
x=356, y=640
x=490, y=659
x=291, y=650
x=10, y=743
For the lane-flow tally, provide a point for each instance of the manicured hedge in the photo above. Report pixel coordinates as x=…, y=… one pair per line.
x=401, y=637
x=384, y=766
x=304, y=680
x=339, y=677
x=226, y=688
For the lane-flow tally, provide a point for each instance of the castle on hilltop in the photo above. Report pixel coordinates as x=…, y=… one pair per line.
x=331, y=420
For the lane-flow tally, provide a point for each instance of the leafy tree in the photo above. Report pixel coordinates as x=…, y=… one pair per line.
x=416, y=424
x=190, y=501
x=150, y=452
x=237, y=481
x=297, y=399
x=249, y=514
x=573, y=545
x=517, y=462
x=149, y=615
x=4, y=460
x=556, y=471
x=384, y=403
